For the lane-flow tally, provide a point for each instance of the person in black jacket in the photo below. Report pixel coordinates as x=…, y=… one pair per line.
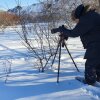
x=88, y=28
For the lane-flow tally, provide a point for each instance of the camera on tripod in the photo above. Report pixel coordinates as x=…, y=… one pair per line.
x=63, y=36
x=60, y=29
x=55, y=30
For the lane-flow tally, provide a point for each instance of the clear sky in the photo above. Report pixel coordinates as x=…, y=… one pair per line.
x=7, y=4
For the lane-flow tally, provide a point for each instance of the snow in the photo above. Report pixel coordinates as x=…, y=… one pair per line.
x=19, y=80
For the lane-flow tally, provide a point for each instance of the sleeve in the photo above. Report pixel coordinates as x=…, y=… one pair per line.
x=80, y=29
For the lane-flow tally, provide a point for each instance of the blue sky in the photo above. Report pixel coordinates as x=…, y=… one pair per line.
x=6, y=4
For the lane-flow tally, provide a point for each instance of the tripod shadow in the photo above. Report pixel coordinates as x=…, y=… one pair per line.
x=27, y=84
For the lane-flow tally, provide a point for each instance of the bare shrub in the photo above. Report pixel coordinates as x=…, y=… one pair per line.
x=37, y=36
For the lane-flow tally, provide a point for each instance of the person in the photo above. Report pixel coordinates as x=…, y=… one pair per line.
x=88, y=28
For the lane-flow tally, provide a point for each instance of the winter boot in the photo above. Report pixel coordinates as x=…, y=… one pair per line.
x=98, y=74
x=90, y=75
x=98, y=79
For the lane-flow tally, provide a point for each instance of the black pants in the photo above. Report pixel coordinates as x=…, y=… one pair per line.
x=92, y=70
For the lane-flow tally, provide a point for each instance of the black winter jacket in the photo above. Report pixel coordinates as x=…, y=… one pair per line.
x=88, y=29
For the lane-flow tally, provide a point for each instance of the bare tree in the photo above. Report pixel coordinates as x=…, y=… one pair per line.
x=37, y=36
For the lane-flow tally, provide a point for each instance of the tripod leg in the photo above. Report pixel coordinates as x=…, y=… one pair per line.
x=71, y=57
x=59, y=64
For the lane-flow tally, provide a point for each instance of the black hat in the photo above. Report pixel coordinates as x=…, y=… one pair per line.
x=79, y=10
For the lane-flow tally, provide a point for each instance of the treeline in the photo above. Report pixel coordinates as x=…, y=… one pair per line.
x=7, y=19
x=50, y=12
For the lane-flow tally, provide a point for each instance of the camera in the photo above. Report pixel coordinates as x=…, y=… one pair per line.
x=60, y=29
x=55, y=30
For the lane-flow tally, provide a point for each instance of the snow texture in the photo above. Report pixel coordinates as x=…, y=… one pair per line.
x=19, y=80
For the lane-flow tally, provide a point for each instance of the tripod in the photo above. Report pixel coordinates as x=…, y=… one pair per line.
x=62, y=43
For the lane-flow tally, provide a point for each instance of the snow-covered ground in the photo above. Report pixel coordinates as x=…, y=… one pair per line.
x=19, y=80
